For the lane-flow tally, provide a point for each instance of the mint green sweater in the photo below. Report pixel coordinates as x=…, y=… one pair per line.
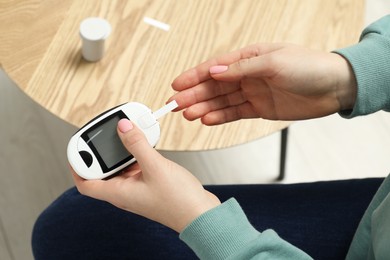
x=236, y=238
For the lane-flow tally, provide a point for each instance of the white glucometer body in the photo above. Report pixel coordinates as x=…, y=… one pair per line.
x=96, y=151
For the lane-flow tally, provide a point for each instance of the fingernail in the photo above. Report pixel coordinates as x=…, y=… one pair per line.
x=125, y=125
x=218, y=69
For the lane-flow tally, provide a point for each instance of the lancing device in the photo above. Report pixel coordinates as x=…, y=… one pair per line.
x=96, y=151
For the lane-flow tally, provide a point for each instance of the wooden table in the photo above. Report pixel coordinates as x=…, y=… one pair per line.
x=40, y=51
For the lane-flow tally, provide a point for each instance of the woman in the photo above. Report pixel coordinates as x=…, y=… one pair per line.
x=272, y=81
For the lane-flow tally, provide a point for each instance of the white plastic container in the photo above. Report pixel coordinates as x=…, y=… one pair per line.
x=93, y=32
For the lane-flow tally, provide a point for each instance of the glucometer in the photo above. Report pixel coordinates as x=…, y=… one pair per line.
x=96, y=151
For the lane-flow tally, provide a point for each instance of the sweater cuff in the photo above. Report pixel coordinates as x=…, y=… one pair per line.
x=220, y=232
x=369, y=60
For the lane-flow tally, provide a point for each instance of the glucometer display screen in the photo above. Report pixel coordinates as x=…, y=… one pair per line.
x=104, y=140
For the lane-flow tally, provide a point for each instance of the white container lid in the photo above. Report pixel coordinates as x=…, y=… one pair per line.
x=95, y=29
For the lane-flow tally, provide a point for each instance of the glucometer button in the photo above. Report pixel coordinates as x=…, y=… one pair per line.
x=147, y=120
x=87, y=157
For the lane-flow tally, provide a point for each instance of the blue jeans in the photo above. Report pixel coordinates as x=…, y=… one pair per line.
x=320, y=218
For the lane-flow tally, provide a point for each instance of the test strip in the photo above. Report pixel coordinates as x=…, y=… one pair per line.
x=157, y=24
x=165, y=109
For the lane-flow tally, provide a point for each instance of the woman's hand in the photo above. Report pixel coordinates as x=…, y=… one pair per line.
x=271, y=81
x=154, y=187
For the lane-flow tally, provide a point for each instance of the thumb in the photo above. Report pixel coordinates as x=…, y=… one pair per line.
x=136, y=143
x=248, y=67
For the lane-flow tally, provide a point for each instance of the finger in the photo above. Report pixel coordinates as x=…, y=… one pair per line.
x=136, y=143
x=204, y=91
x=76, y=178
x=107, y=190
x=229, y=114
x=200, y=109
x=91, y=188
x=255, y=61
x=261, y=66
x=200, y=73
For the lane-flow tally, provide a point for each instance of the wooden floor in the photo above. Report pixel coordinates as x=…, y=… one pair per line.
x=33, y=166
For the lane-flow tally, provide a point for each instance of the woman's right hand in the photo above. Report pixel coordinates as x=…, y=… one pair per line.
x=271, y=81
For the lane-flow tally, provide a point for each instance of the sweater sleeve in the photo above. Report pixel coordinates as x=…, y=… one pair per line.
x=370, y=62
x=225, y=233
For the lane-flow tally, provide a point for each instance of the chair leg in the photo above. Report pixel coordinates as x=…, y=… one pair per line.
x=283, y=154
